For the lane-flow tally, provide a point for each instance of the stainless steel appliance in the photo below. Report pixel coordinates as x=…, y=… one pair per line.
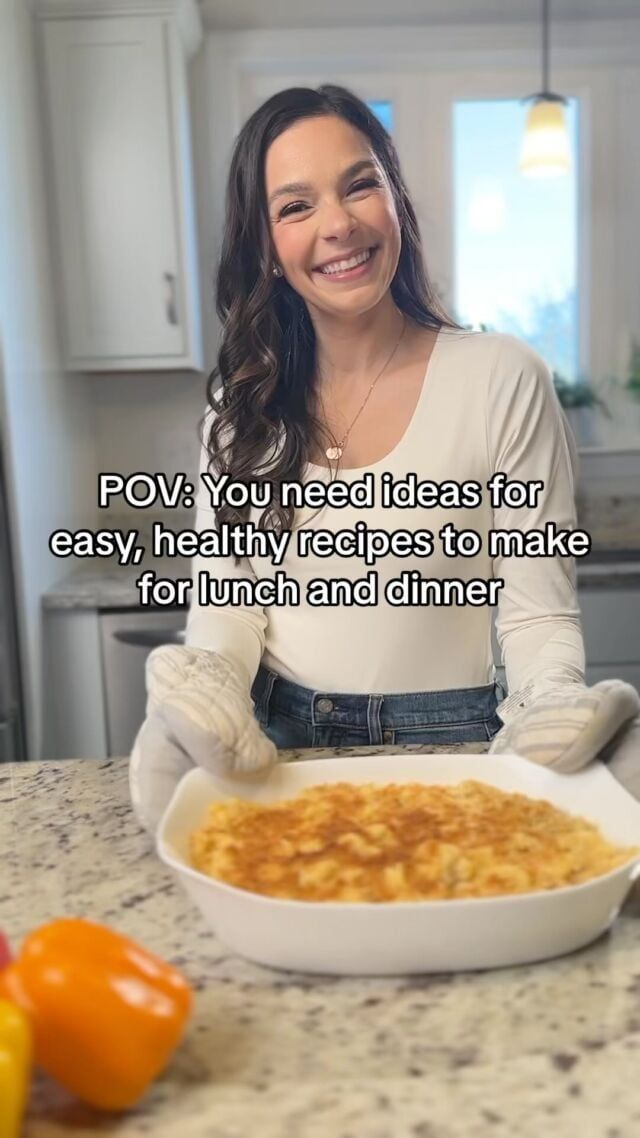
x=127, y=637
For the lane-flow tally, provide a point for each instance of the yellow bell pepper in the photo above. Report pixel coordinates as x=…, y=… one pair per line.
x=15, y=1067
x=106, y=1014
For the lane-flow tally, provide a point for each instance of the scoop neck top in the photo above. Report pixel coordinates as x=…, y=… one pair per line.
x=410, y=428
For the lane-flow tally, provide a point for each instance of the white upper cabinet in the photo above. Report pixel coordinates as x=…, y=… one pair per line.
x=123, y=205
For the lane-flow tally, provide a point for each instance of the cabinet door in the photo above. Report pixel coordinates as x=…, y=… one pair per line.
x=110, y=117
x=73, y=692
x=628, y=672
x=610, y=620
x=611, y=625
x=127, y=638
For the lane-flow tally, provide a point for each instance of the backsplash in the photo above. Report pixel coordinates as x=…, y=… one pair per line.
x=613, y=520
x=608, y=498
x=149, y=423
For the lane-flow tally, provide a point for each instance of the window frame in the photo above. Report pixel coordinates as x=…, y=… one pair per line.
x=595, y=207
x=582, y=345
x=423, y=132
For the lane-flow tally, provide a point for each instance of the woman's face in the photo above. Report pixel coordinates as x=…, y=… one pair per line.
x=329, y=202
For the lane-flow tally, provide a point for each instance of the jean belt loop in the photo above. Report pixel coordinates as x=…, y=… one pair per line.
x=262, y=708
x=374, y=704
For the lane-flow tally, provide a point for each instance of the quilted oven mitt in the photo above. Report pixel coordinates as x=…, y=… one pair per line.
x=566, y=726
x=199, y=712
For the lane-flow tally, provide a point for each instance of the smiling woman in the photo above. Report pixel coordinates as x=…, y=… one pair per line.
x=317, y=202
x=334, y=349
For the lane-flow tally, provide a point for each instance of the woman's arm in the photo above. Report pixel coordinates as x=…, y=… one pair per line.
x=538, y=619
x=199, y=706
x=550, y=716
x=236, y=632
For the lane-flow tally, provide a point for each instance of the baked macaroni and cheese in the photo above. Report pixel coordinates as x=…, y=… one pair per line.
x=400, y=842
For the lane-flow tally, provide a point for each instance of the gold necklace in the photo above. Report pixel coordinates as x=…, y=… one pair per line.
x=337, y=451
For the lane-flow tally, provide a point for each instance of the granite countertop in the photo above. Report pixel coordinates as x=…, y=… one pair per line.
x=103, y=586
x=545, y=1049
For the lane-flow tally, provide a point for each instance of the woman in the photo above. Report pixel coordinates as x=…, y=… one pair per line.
x=337, y=361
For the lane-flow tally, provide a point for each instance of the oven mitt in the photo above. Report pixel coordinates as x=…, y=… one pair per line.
x=199, y=712
x=566, y=726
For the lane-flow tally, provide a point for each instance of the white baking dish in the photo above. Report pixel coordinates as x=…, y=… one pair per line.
x=407, y=936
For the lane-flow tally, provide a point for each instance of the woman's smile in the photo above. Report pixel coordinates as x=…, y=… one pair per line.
x=348, y=268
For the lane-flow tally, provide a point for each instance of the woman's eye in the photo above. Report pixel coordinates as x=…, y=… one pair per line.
x=294, y=207
x=364, y=184
x=357, y=187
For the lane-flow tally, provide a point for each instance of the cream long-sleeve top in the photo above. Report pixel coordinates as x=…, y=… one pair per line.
x=487, y=404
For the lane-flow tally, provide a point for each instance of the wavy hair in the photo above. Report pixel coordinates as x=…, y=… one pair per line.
x=264, y=403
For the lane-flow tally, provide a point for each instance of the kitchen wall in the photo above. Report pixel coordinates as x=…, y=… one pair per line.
x=46, y=416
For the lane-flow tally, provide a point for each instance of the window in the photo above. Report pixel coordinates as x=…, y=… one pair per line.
x=383, y=111
x=516, y=237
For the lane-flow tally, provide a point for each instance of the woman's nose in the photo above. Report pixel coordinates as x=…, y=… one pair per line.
x=336, y=221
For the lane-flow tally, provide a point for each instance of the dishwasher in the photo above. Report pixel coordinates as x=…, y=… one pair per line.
x=127, y=636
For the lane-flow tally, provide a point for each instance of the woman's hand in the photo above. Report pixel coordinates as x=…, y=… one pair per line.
x=199, y=712
x=565, y=726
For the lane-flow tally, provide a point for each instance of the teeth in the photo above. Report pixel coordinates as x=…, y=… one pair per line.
x=342, y=266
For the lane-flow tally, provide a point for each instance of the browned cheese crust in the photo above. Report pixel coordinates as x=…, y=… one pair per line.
x=400, y=842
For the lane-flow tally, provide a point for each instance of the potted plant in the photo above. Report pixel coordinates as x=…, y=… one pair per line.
x=579, y=402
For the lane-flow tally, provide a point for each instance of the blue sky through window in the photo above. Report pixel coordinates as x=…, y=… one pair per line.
x=516, y=240
x=383, y=111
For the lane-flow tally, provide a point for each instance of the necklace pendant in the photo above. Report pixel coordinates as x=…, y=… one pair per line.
x=333, y=452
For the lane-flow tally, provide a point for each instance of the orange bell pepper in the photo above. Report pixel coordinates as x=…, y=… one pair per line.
x=5, y=951
x=106, y=1014
x=15, y=1067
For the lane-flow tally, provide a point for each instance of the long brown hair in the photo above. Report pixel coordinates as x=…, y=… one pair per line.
x=266, y=362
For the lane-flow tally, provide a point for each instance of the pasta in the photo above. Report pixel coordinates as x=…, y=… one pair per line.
x=400, y=842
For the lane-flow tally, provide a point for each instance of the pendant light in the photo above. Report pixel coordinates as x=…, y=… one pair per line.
x=545, y=149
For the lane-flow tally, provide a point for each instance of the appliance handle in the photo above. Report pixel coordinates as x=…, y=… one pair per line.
x=149, y=638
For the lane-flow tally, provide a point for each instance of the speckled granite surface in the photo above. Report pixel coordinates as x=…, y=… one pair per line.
x=551, y=1049
x=106, y=585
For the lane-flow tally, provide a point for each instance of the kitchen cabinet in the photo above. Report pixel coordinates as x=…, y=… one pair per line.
x=610, y=620
x=95, y=676
x=122, y=202
x=611, y=628
x=74, y=711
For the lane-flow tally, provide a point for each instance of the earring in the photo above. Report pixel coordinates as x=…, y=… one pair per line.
x=277, y=272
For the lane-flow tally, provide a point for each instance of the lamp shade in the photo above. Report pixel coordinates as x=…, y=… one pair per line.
x=545, y=148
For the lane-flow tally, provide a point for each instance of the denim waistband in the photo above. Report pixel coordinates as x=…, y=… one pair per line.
x=394, y=711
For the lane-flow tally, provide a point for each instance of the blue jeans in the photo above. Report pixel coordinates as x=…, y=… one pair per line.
x=295, y=716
